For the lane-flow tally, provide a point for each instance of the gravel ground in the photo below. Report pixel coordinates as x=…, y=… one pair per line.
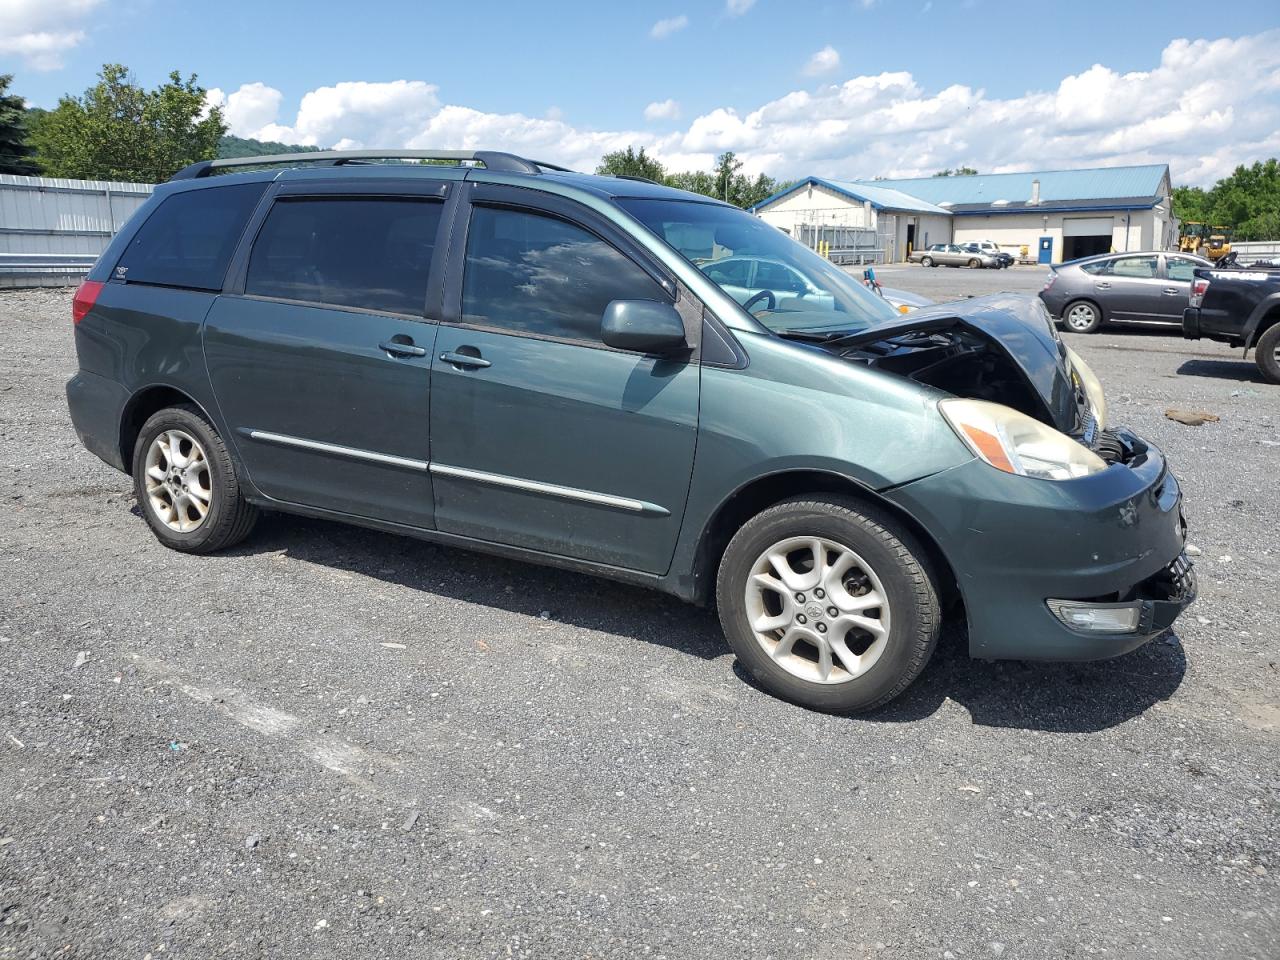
x=337, y=743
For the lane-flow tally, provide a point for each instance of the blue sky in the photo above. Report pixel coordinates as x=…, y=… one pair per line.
x=850, y=88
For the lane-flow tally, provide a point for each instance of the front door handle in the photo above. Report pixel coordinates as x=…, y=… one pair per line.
x=1102, y=285
x=398, y=348
x=464, y=360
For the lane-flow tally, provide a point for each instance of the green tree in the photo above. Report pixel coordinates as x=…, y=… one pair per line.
x=725, y=182
x=726, y=172
x=15, y=154
x=1190, y=203
x=957, y=172
x=120, y=131
x=632, y=163
x=1248, y=201
x=695, y=181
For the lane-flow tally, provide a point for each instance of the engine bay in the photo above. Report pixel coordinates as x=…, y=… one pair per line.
x=955, y=360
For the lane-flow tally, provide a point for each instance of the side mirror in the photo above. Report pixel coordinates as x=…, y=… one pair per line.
x=646, y=326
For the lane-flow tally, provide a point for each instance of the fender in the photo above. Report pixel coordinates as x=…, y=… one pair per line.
x=1269, y=303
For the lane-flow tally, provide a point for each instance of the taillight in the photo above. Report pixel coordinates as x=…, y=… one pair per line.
x=86, y=296
x=1198, y=288
x=1049, y=282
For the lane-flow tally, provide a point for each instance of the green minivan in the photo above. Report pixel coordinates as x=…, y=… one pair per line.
x=626, y=381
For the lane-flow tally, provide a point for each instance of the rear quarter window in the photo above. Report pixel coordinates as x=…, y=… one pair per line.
x=189, y=239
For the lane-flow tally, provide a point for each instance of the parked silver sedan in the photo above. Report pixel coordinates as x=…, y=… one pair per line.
x=1150, y=288
x=952, y=255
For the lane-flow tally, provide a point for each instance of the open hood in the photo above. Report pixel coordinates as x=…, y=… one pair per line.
x=1003, y=348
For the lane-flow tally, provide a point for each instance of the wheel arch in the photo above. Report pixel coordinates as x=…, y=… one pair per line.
x=765, y=491
x=1265, y=316
x=141, y=406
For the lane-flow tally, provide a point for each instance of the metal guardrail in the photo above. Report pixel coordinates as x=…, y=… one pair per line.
x=44, y=269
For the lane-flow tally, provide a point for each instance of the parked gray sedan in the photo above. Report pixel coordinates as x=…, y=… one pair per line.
x=1150, y=287
x=952, y=255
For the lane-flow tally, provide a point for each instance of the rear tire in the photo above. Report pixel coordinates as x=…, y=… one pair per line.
x=1267, y=353
x=926, y=262
x=186, y=483
x=873, y=650
x=1081, y=316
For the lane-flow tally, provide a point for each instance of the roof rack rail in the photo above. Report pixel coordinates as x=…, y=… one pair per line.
x=492, y=160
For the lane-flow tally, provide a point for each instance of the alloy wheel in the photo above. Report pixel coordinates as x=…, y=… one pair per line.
x=1080, y=317
x=817, y=609
x=178, y=484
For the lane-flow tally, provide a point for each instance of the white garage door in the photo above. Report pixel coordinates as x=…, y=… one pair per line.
x=1086, y=226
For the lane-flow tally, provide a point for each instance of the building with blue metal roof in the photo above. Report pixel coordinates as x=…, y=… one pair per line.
x=1047, y=215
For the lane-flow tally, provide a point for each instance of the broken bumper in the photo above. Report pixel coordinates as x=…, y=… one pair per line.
x=1110, y=541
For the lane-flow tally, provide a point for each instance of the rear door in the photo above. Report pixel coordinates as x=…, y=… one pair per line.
x=1131, y=288
x=543, y=437
x=319, y=351
x=1176, y=292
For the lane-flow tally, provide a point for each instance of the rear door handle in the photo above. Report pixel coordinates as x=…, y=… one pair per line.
x=398, y=349
x=1102, y=285
x=1172, y=291
x=464, y=360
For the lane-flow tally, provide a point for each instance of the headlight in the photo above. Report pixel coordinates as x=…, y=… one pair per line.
x=1015, y=443
x=1092, y=387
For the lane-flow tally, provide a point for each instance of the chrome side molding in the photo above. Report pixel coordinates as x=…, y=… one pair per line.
x=551, y=490
x=354, y=453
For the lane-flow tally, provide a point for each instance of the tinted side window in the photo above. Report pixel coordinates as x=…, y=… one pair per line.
x=1180, y=269
x=773, y=276
x=368, y=252
x=1141, y=267
x=189, y=239
x=733, y=272
x=537, y=274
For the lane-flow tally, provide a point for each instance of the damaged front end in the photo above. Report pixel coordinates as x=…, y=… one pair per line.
x=1088, y=565
x=1002, y=349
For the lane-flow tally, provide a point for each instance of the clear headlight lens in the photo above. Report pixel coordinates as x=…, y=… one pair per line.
x=1015, y=443
x=1092, y=387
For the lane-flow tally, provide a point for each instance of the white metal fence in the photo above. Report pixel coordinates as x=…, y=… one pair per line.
x=1249, y=250
x=51, y=230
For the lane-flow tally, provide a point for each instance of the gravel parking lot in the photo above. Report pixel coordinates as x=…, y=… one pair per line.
x=337, y=743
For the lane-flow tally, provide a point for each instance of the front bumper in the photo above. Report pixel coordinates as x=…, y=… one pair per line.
x=1015, y=543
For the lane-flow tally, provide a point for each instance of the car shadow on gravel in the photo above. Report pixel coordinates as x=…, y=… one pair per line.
x=1244, y=371
x=1052, y=697
x=1056, y=697
x=512, y=585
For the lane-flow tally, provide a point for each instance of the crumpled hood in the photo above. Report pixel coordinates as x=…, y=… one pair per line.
x=1019, y=326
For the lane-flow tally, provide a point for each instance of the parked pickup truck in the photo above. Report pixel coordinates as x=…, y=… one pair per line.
x=1239, y=307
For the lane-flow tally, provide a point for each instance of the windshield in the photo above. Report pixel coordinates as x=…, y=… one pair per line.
x=782, y=283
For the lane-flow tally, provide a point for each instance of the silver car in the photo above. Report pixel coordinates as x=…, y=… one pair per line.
x=764, y=281
x=1149, y=287
x=952, y=255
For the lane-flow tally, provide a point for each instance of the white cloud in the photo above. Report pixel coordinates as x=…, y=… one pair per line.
x=883, y=124
x=824, y=61
x=736, y=8
x=42, y=31
x=665, y=28
x=662, y=110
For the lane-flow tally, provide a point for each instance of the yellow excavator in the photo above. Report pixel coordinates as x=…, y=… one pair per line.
x=1212, y=243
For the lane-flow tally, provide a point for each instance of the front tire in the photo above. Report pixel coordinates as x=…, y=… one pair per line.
x=828, y=603
x=975, y=263
x=186, y=483
x=1267, y=353
x=1081, y=317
